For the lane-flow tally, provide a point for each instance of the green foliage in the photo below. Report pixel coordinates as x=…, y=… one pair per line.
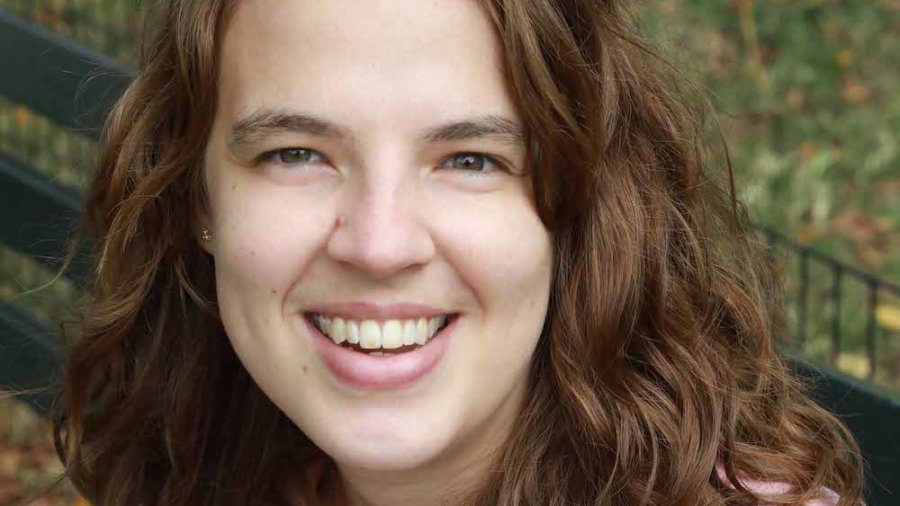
x=806, y=94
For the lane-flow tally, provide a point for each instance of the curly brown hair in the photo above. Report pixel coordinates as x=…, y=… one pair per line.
x=657, y=362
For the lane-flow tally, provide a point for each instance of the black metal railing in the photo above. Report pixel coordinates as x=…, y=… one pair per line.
x=875, y=288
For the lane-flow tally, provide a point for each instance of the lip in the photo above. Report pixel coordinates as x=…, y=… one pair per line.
x=369, y=311
x=388, y=372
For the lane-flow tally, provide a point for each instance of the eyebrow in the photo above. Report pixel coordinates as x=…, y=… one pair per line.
x=274, y=121
x=270, y=121
x=505, y=129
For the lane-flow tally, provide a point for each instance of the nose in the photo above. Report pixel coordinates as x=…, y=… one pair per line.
x=380, y=232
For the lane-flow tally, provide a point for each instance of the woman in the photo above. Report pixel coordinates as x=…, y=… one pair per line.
x=381, y=253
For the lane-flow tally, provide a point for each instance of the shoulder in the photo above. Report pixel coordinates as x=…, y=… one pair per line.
x=826, y=497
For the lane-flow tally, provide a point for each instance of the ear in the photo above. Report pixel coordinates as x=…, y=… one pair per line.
x=201, y=224
x=201, y=219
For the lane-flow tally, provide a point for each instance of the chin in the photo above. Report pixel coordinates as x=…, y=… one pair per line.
x=386, y=453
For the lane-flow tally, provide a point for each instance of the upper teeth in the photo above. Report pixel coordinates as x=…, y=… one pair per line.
x=371, y=334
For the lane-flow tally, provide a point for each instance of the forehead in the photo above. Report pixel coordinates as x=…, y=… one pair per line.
x=363, y=58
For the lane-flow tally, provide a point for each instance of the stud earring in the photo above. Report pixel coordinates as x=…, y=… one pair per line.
x=205, y=235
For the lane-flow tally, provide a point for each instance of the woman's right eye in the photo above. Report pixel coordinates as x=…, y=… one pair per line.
x=293, y=156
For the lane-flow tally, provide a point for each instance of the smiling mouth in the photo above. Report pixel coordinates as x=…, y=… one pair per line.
x=380, y=337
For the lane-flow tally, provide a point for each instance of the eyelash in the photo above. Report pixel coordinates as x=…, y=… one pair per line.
x=276, y=156
x=498, y=165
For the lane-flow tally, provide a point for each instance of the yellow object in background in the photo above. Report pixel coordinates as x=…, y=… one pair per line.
x=888, y=316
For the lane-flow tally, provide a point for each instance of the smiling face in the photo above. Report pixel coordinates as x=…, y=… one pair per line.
x=367, y=181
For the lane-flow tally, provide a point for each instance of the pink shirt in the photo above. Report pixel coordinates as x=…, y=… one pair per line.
x=827, y=497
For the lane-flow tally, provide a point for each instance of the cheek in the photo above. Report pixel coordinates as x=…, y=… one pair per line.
x=265, y=239
x=501, y=250
x=502, y=253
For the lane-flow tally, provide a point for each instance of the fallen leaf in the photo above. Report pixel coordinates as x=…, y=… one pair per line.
x=844, y=58
x=795, y=99
x=855, y=226
x=853, y=90
x=22, y=117
x=807, y=150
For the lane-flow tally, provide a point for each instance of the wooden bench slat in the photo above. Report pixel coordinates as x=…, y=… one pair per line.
x=73, y=86
x=30, y=358
x=38, y=216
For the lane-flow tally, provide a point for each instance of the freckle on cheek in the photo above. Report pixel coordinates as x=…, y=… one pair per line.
x=304, y=369
x=272, y=291
x=234, y=186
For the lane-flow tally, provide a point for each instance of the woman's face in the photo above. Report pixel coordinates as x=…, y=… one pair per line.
x=367, y=179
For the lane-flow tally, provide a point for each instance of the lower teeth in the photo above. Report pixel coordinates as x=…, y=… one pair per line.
x=382, y=352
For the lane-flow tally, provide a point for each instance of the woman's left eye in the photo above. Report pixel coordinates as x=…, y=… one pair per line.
x=473, y=162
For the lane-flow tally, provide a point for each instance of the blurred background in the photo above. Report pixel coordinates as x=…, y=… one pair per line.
x=806, y=95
